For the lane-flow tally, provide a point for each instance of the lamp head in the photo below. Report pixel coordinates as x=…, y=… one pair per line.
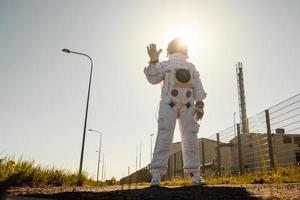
x=66, y=50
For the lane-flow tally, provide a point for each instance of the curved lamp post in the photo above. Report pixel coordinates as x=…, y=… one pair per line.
x=87, y=104
x=99, y=151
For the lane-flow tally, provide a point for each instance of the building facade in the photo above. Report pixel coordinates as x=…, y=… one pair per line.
x=255, y=156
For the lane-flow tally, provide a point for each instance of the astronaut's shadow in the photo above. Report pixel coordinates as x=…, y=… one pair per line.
x=165, y=193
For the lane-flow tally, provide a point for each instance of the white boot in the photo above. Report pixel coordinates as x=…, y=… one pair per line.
x=155, y=181
x=197, y=179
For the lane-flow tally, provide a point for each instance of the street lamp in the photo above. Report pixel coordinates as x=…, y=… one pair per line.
x=151, y=147
x=99, y=151
x=102, y=175
x=87, y=104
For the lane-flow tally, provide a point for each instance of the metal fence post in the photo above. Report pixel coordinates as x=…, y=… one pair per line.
x=218, y=154
x=182, y=170
x=174, y=167
x=270, y=142
x=169, y=167
x=240, y=151
x=203, y=156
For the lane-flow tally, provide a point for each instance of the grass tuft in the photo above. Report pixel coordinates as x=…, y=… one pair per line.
x=28, y=173
x=290, y=174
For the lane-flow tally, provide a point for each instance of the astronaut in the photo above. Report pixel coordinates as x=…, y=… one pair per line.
x=182, y=97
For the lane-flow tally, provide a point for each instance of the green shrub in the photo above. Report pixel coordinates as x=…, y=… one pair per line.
x=27, y=173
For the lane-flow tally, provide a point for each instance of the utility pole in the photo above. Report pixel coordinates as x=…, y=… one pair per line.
x=140, y=164
x=105, y=167
x=136, y=157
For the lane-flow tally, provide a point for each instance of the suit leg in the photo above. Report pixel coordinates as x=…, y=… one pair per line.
x=166, y=125
x=189, y=141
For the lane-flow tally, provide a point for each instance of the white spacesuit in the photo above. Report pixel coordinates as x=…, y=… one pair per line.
x=181, y=88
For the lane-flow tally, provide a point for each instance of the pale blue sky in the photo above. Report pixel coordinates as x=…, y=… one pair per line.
x=43, y=91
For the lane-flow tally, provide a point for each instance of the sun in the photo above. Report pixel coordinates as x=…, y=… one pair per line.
x=188, y=34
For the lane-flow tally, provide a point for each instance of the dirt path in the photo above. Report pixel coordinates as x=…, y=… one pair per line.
x=259, y=191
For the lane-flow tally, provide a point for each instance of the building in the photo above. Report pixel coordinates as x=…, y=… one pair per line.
x=255, y=156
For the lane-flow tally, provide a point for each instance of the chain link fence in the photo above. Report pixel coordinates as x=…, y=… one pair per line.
x=272, y=141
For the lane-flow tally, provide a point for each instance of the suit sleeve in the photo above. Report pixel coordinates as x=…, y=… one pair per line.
x=154, y=73
x=198, y=91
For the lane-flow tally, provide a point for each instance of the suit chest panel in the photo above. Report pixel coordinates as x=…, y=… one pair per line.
x=179, y=75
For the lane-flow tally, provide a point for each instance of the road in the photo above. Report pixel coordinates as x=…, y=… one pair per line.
x=25, y=198
x=245, y=192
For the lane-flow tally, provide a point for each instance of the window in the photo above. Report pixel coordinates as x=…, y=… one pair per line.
x=297, y=140
x=287, y=139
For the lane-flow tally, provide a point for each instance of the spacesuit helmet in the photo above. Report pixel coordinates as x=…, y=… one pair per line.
x=177, y=46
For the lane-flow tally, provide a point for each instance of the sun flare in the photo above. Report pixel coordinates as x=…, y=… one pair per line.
x=188, y=34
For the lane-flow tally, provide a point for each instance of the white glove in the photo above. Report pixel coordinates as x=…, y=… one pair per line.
x=153, y=53
x=199, y=112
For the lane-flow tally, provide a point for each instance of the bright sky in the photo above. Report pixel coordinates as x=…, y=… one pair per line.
x=43, y=91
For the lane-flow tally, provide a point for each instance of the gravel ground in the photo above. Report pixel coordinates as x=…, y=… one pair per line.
x=251, y=191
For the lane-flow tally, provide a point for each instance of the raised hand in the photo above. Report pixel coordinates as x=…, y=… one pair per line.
x=153, y=53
